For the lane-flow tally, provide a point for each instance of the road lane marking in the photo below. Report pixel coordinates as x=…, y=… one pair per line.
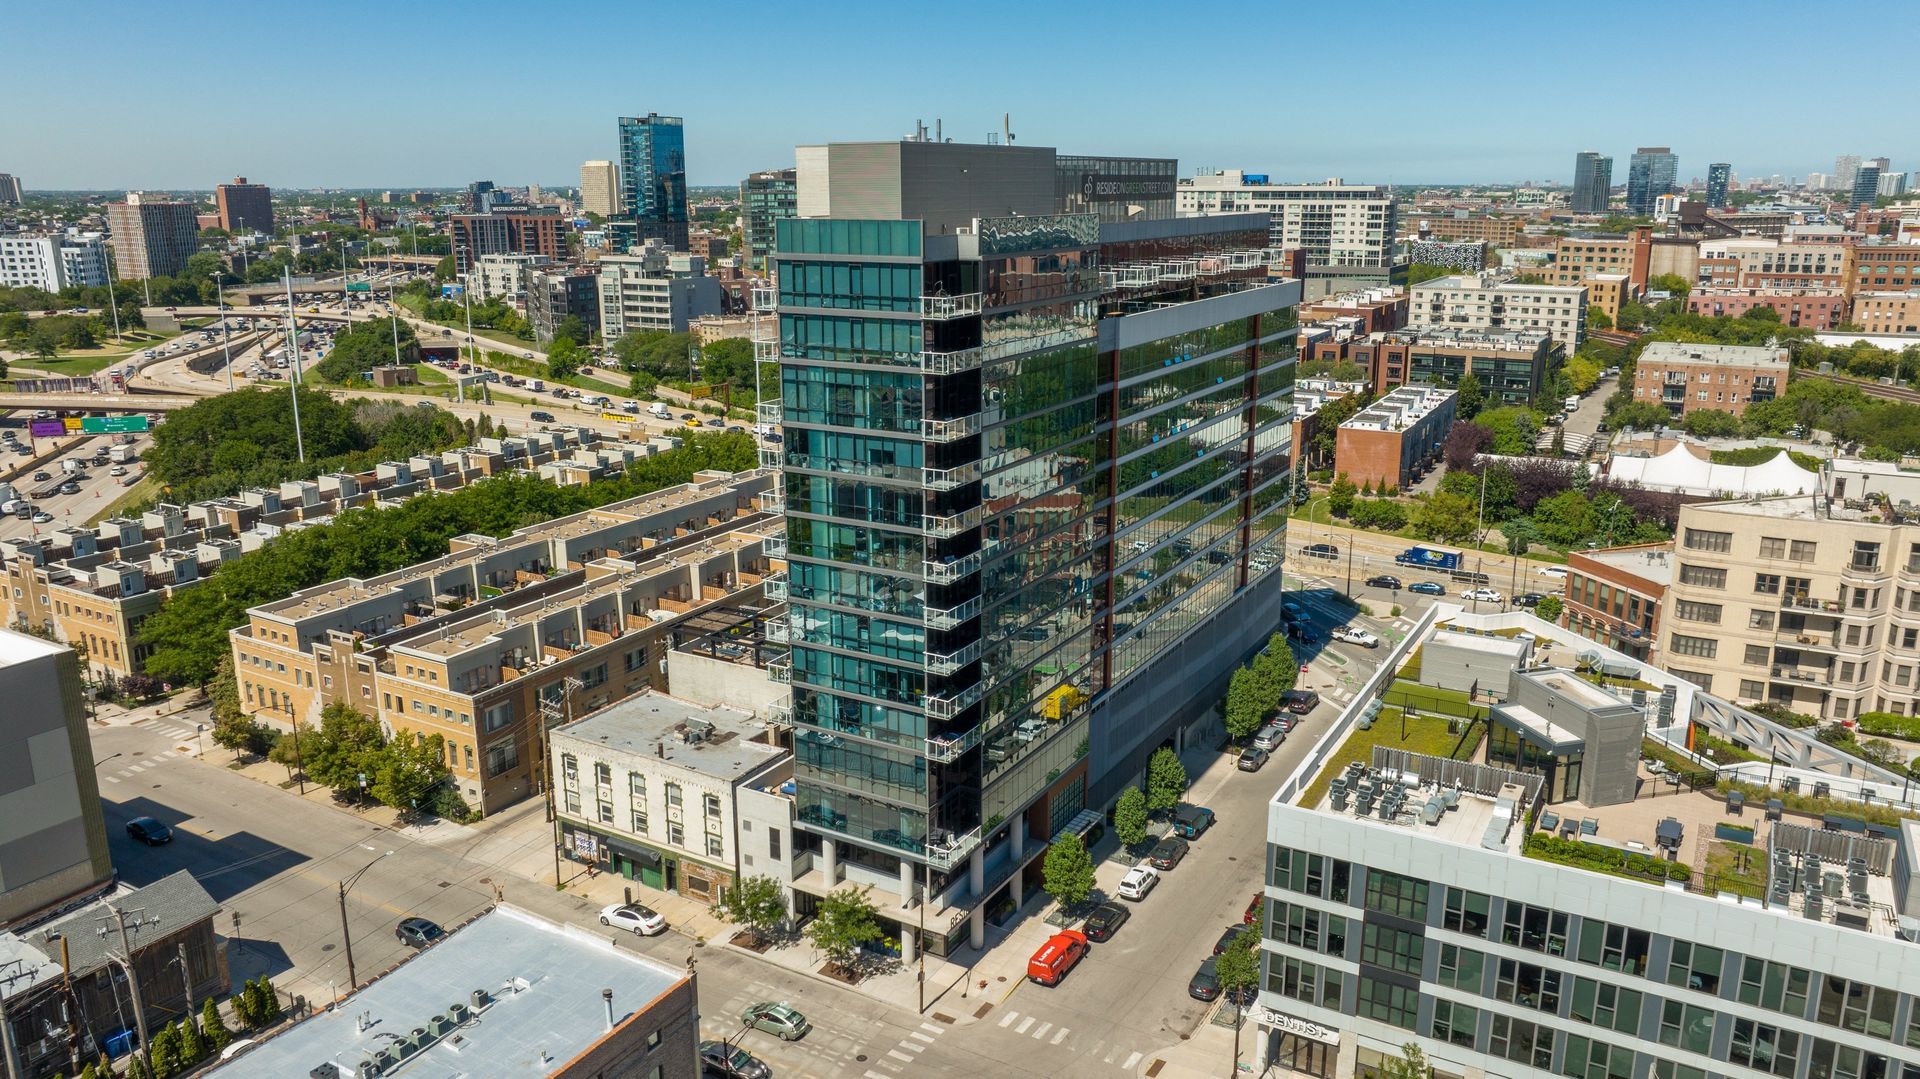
x=1025, y=1025
x=1008, y=1018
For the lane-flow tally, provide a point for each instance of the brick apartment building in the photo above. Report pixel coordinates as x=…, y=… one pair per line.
x=1878, y=267
x=1378, y=309
x=505, y=233
x=1470, y=228
x=1723, y=378
x=1578, y=258
x=1756, y=263
x=1393, y=441
x=1822, y=309
x=1888, y=312
x=1511, y=365
x=1613, y=596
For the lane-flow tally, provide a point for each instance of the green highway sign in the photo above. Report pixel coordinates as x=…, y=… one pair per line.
x=359, y=286
x=113, y=425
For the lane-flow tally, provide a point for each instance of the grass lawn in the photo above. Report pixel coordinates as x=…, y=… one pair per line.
x=147, y=488
x=89, y=361
x=414, y=306
x=428, y=374
x=1424, y=734
x=1450, y=702
x=1410, y=670
x=535, y=369
x=1656, y=750
x=1736, y=868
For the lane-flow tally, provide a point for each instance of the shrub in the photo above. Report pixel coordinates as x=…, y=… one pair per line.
x=1885, y=725
x=1785, y=716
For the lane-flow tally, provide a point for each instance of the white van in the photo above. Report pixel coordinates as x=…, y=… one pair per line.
x=659, y=411
x=1571, y=404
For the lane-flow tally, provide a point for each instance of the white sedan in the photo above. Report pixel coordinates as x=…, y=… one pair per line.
x=1481, y=595
x=1356, y=635
x=642, y=920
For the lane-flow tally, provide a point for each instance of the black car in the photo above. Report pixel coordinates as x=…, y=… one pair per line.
x=1529, y=599
x=1252, y=759
x=417, y=932
x=1305, y=634
x=1105, y=921
x=1167, y=853
x=1233, y=933
x=1300, y=701
x=731, y=1061
x=1384, y=580
x=149, y=831
x=540, y=416
x=1320, y=550
x=1205, y=983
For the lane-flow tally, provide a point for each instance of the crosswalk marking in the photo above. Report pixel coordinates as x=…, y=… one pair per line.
x=1025, y=1025
x=1132, y=1059
x=913, y=1047
x=898, y=1055
x=931, y=1029
x=918, y=1034
x=116, y=779
x=1042, y=1032
x=1058, y=1035
x=871, y=1074
x=1008, y=1018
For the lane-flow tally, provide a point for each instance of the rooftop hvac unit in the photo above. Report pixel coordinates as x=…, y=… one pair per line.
x=367, y=1069
x=325, y=1070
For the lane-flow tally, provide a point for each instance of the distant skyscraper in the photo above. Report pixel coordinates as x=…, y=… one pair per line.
x=1894, y=183
x=152, y=237
x=600, y=188
x=1717, y=176
x=480, y=196
x=1844, y=167
x=1866, y=185
x=10, y=193
x=765, y=197
x=244, y=207
x=1818, y=181
x=653, y=177
x=1592, y=179
x=1650, y=174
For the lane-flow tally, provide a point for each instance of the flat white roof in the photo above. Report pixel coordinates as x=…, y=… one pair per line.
x=21, y=647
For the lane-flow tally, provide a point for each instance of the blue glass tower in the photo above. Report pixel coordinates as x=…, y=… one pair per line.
x=653, y=177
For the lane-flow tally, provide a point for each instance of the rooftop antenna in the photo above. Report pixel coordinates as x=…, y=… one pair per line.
x=1006, y=126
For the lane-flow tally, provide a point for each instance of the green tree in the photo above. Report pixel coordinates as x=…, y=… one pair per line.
x=1410, y=1064
x=192, y=1047
x=1276, y=669
x=1166, y=780
x=1549, y=608
x=1340, y=496
x=165, y=1050
x=1711, y=422
x=212, y=1028
x=1598, y=319
x=759, y=903
x=730, y=359
x=1445, y=517
x=658, y=353
x=1067, y=872
x=1130, y=817
x=1669, y=282
x=844, y=922
x=1645, y=415
x=1243, y=705
x=1566, y=519
x=1421, y=272
x=1515, y=429
x=1469, y=397
x=406, y=769
x=346, y=745
x=565, y=358
x=575, y=329
x=1520, y=535
x=1238, y=967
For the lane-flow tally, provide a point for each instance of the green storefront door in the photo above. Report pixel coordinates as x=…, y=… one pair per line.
x=651, y=874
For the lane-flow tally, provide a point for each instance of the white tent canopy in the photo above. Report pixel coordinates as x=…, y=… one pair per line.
x=1680, y=471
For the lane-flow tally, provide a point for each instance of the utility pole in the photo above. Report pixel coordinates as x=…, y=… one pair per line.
x=298, y=764
x=293, y=381
x=133, y=979
x=226, y=335
x=346, y=935
x=549, y=709
x=186, y=977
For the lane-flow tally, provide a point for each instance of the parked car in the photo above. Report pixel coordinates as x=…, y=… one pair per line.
x=149, y=831
x=1205, y=983
x=1105, y=921
x=1056, y=957
x=1252, y=916
x=1383, y=580
x=1167, y=853
x=1320, y=550
x=779, y=1020
x=1293, y=612
x=1356, y=635
x=1252, y=759
x=1300, y=701
x=642, y=920
x=1305, y=634
x=1137, y=883
x=43, y=474
x=416, y=932
x=1269, y=737
x=1228, y=936
x=1552, y=571
x=1481, y=595
x=1529, y=599
x=1191, y=821
x=731, y=1061
x=1427, y=588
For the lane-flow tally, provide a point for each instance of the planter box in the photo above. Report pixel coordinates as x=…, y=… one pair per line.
x=1733, y=833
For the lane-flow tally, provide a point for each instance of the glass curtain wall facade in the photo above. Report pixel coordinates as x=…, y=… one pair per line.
x=992, y=516
x=653, y=177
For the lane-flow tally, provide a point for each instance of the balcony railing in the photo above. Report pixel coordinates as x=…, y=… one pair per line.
x=940, y=308
x=948, y=705
x=775, y=587
x=775, y=545
x=778, y=631
x=950, y=748
x=768, y=411
x=1808, y=603
x=951, y=525
x=774, y=500
x=948, y=363
x=957, y=569
x=950, y=430
x=949, y=662
x=764, y=329
x=946, y=479
x=781, y=670
x=953, y=617
x=1864, y=565
x=947, y=851
x=1796, y=674
x=766, y=299
x=767, y=351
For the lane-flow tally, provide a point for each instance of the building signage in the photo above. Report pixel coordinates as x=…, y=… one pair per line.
x=586, y=845
x=1096, y=188
x=1287, y=1024
x=46, y=429
x=114, y=425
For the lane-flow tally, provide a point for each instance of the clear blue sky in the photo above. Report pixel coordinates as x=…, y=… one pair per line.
x=357, y=94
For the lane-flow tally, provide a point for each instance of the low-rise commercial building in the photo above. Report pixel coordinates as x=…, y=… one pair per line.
x=1614, y=595
x=53, y=840
x=1888, y=312
x=654, y=289
x=92, y=589
x=1495, y=301
x=508, y=994
x=1823, y=309
x=1393, y=441
x=1724, y=378
x=566, y=616
x=1510, y=364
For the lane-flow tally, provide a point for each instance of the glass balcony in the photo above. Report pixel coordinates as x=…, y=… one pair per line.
x=949, y=748
x=775, y=587
x=950, y=526
x=947, y=663
x=778, y=631
x=946, y=850
x=950, y=430
x=767, y=351
x=946, y=479
x=781, y=670
x=941, y=308
x=947, y=363
x=766, y=299
x=768, y=411
x=948, y=705
x=764, y=329
x=774, y=501
x=775, y=546
x=957, y=569
x=949, y=618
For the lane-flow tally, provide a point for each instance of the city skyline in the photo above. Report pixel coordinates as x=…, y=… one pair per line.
x=563, y=113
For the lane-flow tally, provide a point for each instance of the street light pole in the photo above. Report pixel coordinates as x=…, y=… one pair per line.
x=133, y=981
x=299, y=765
x=346, y=936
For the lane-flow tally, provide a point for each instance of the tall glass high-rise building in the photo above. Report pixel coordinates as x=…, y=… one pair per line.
x=1592, y=181
x=653, y=177
x=1718, y=175
x=1651, y=173
x=1035, y=474
x=765, y=197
